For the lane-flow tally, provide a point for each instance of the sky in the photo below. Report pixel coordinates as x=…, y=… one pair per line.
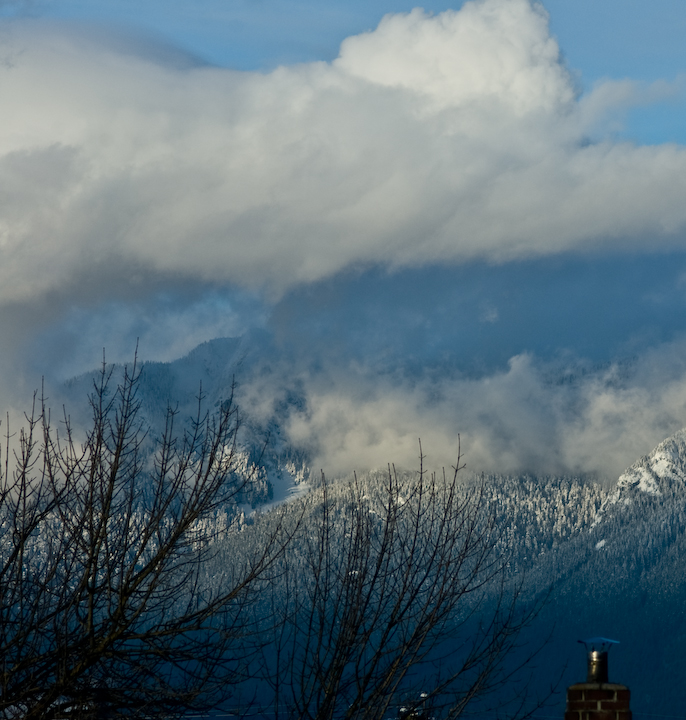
x=463, y=218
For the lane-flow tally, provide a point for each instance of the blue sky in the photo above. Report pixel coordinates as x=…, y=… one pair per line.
x=467, y=219
x=608, y=39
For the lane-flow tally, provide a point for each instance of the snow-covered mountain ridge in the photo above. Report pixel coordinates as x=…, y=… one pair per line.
x=661, y=470
x=666, y=463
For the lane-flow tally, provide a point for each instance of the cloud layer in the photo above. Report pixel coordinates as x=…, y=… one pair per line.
x=431, y=139
x=141, y=192
x=530, y=417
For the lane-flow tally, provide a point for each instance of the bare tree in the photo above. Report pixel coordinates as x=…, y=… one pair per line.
x=106, y=609
x=395, y=595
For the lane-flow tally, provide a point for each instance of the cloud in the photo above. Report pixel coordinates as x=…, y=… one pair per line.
x=494, y=53
x=130, y=173
x=432, y=139
x=165, y=327
x=531, y=417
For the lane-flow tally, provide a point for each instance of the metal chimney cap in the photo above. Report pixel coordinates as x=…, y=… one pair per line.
x=601, y=643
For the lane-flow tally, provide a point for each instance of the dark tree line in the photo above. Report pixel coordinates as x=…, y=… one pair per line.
x=349, y=602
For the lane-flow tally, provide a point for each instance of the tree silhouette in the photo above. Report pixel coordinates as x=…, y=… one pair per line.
x=395, y=599
x=106, y=609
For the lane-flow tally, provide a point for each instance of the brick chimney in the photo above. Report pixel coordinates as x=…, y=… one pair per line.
x=597, y=698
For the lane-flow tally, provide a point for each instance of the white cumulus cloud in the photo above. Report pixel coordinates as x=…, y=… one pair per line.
x=431, y=139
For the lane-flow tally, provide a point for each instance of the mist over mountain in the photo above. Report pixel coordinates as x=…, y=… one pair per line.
x=354, y=394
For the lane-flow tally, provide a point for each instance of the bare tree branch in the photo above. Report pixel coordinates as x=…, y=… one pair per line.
x=395, y=593
x=105, y=603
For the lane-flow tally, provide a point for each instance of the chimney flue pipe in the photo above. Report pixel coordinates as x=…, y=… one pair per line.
x=597, y=698
x=597, y=666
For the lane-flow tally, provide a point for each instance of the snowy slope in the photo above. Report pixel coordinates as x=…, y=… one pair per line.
x=662, y=470
x=665, y=464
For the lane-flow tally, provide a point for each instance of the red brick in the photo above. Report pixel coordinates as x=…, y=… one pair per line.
x=599, y=695
x=580, y=705
x=614, y=705
x=598, y=701
x=601, y=715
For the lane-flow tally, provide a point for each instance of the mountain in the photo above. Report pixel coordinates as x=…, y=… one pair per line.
x=660, y=472
x=623, y=577
x=665, y=464
x=210, y=372
x=610, y=561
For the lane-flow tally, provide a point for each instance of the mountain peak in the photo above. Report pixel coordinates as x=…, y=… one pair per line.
x=662, y=468
x=665, y=464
